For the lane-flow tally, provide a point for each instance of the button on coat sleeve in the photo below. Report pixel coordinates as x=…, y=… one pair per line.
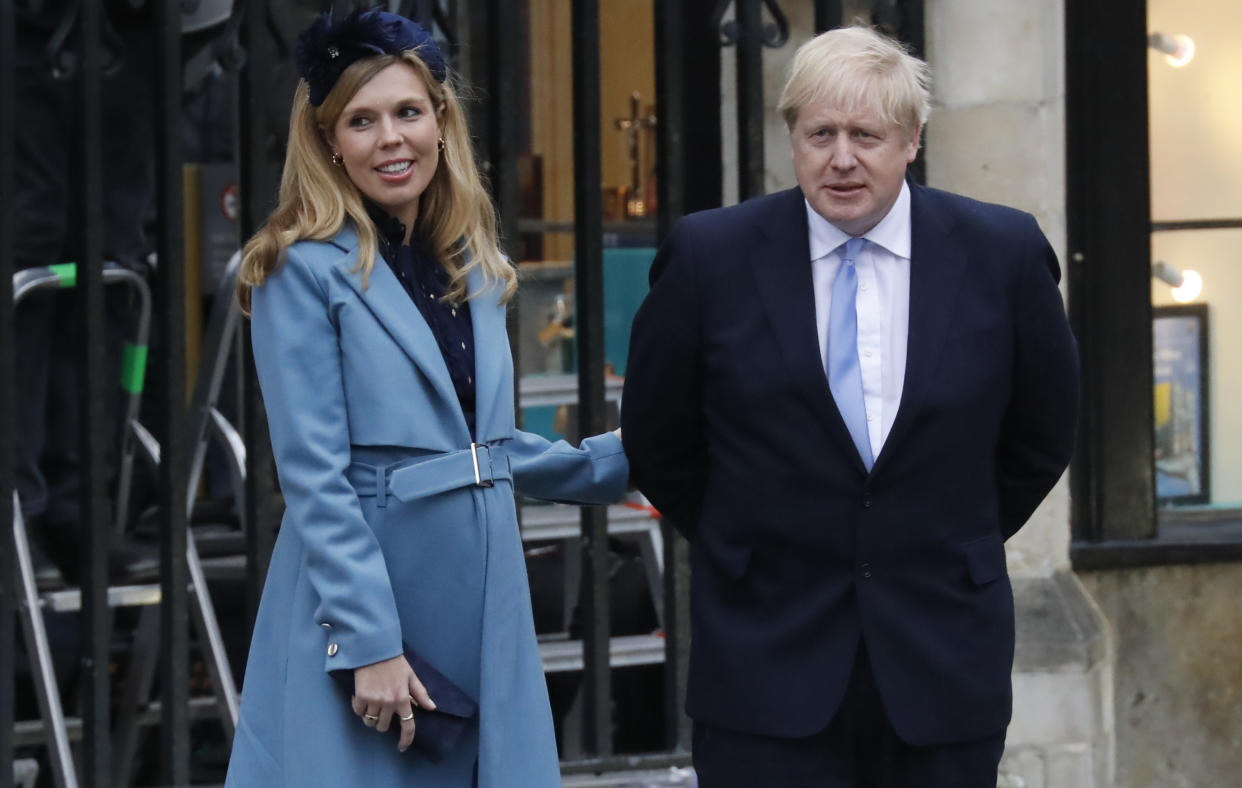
x=297, y=357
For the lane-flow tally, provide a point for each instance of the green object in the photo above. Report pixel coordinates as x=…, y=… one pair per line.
x=68, y=273
x=625, y=287
x=540, y=419
x=133, y=368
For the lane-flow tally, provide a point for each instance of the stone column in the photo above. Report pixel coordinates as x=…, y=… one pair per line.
x=997, y=133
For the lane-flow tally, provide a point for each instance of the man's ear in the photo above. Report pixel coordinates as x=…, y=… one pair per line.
x=916, y=142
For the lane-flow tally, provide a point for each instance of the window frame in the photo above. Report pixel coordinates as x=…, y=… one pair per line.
x=1115, y=522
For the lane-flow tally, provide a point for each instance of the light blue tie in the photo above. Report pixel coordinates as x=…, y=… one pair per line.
x=844, y=375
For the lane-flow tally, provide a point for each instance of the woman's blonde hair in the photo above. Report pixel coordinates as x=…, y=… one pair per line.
x=456, y=215
x=855, y=67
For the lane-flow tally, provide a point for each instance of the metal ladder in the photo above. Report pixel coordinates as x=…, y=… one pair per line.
x=561, y=522
x=205, y=423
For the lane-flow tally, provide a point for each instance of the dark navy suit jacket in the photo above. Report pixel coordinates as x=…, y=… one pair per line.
x=797, y=551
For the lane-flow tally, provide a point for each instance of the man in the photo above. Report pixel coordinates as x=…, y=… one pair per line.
x=847, y=433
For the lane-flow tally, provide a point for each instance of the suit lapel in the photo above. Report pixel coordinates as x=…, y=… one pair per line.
x=782, y=272
x=392, y=308
x=937, y=262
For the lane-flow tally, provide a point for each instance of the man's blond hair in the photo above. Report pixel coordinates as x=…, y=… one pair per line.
x=857, y=67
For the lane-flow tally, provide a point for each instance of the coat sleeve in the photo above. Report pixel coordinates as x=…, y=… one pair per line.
x=661, y=411
x=596, y=472
x=1037, y=436
x=297, y=356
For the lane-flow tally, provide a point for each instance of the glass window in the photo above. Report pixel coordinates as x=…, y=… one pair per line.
x=547, y=363
x=1194, y=69
x=546, y=338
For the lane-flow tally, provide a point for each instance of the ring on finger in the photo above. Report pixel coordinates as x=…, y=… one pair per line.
x=408, y=717
x=370, y=719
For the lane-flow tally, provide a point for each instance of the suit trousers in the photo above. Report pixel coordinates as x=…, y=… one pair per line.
x=858, y=749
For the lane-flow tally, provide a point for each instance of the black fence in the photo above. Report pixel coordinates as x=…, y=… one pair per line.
x=130, y=666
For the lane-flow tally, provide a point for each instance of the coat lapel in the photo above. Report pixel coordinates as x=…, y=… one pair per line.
x=938, y=259
x=391, y=305
x=782, y=272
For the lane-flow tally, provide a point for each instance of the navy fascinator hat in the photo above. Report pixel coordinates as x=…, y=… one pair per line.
x=329, y=46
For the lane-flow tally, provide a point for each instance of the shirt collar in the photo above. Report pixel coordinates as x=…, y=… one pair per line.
x=892, y=232
x=389, y=227
x=390, y=233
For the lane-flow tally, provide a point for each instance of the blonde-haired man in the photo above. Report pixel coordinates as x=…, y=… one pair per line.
x=847, y=396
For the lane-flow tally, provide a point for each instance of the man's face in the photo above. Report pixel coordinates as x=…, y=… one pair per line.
x=850, y=165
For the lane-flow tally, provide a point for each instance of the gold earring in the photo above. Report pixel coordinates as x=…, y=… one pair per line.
x=441, y=145
x=337, y=159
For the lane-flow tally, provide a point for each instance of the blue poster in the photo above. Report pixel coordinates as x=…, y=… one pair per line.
x=1177, y=341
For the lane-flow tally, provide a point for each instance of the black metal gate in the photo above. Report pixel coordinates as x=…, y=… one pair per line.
x=254, y=44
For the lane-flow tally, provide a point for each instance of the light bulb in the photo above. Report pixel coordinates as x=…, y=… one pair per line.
x=1184, y=54
x=1178, y=50
x=1192, y=285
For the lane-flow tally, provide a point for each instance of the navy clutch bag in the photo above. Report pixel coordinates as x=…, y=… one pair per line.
x=435, y=731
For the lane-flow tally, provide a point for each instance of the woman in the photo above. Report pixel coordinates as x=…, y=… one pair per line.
x=377, y=295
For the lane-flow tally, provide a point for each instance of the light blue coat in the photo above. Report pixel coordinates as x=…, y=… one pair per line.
x=352, y=380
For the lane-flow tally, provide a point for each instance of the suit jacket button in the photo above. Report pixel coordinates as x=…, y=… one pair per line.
x=866, y=571
x=867, y=502
x=332, y=649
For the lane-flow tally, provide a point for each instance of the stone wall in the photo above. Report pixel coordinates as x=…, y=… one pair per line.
x=997, y=133
x=1178, y=636
x=1062, y=730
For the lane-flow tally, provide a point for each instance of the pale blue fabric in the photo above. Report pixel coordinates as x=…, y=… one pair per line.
x=352, y=378
x=844, y=374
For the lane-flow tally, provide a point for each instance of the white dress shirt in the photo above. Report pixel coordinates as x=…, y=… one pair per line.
x=883, y=304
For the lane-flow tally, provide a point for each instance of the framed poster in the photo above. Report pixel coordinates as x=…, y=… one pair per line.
x=1180, y=359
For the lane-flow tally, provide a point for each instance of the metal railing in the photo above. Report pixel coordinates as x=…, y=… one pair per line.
x=8, y=351
x=481, y=36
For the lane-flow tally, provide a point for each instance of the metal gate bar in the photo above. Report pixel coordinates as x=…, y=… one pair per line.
x=173, y=495
x=94, y=535
x=8, y=451
x=750, y=114
x=258, y=181
x=828, y=14
x=589, y=330
x=670, y=31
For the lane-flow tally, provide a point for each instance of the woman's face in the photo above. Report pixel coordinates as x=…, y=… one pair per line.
x=388, y=138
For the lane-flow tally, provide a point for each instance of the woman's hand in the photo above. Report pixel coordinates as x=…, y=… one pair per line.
x=387, y=688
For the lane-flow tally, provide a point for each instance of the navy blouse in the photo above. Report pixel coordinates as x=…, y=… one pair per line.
x=426, y=282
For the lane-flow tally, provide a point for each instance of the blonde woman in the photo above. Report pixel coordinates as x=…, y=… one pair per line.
x=394, y=644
